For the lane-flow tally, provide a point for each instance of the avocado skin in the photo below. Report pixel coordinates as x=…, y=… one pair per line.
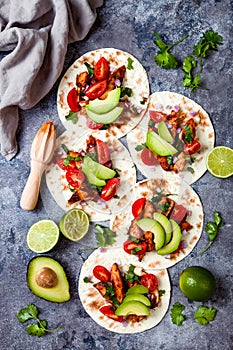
x=58, y=294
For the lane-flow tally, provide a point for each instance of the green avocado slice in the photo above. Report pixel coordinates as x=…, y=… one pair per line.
x=137, y=297
x=166, y=224
x=105, y=118
x=158, y=145
x=147, y=224
x=104, y=106
x=175, y=241
x=132, y=308
x=46, y=278
x=164, y=132
x=93, y=170
x=138, y=289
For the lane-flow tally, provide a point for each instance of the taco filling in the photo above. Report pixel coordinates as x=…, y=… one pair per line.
x=157, y=226
x=89, y=173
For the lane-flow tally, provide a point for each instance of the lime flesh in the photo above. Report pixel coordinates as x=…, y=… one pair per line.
x=219, y=162
x=43, y=236
x=74, y=224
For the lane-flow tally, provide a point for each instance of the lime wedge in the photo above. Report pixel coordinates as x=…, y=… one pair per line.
x=219, y=161
x=74, y=224
x=43, y=236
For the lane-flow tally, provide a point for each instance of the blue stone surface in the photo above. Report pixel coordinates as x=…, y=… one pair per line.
x=130, y=26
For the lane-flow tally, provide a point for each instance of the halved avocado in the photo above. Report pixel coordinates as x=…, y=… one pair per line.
x=158, y=145
x=132, y=308
x=147, y=224
x=167, y=226
x=175, y=241
x=46, y=278
x=137, y=297
x=164, y=132
x=104, y=106
x=105, y=118
x=98, y=170
x=138, y=289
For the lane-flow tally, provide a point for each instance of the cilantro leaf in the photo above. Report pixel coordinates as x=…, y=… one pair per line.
x=90, y=69
x=104, y=235
x=130, y=63
x=189, y=79
x=35, y=329
x=87, y=280
x=27, y=313
x=176, y=314
x=140, y=147
x=72, y=116
x=205, y=314
x=126, y=91
x=208, y=41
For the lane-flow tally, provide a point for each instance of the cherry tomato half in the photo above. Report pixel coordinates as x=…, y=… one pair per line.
x=72, y=100
x=101, y=70
x=96, y=90
x=149, y=281
x=75, y=177
x=60, y=163
x=110, y=189
x=134, y=248
x=107, y=311
x=103, y=152
x=148, y=157
x=156, y=116
x=92, y=125
x=192, y=147
x=101, y=273
x=178, y=213
x=138, y=206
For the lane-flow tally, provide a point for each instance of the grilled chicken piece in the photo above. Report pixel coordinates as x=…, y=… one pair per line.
x=149, y=238
x=180, y=163
x=173, y=119
x=102, y=290
x=84, y=193
x=135, y=230
x=154, y=298
x=82, y=79
x=148, y=210
x=90, y=144
x=192, y=126
x=119, y=74
x=117, y=282
x=166, y=209
x=185, y=225
x=164, y=163
x=75, y=154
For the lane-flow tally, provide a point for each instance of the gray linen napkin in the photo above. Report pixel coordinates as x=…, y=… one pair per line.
x=34, y=35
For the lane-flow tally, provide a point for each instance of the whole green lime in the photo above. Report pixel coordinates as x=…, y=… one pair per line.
x=197, y=283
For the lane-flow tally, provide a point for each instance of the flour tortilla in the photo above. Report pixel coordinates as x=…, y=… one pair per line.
x=58, y=186
x=136, y=79
x=183, y=194
x=164, y=102
x=92, y=300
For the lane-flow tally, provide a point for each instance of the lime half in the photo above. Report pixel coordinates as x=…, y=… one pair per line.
x=43, y=236
x=74, y=224
x=219, y=161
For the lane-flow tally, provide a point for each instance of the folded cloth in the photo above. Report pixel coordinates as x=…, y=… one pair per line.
x=34, y=36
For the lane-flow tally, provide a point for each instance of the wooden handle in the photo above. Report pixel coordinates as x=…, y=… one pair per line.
x=30, y=193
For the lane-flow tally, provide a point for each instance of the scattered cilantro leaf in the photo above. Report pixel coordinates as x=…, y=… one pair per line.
x=190, y=80
x=65, y=148
x=90, y=69
x=72, y=116
x=27, y=313
x=169, y=160
x=212, y=229
x=140, y=147
x=205, y=314
x=130, y=276
x=104, y=235
x=35, y=329
x=126, y=91
x=162, y=292
x=208, y=41
x=130, y=63
x=176, y=314
x=164, y=58
x=87, y=280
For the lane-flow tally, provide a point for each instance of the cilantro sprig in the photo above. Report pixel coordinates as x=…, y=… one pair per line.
x=39, y=328
x=176, y=313
x=205, y=314
x=104, y=235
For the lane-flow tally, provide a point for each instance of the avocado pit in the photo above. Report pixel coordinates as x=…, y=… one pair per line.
x=46, y=278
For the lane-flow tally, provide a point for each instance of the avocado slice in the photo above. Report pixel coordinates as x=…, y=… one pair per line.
x=164, y=132
x=105, y=118
x=158, y=145
x=132, y=308
x=137, y=297
x=46, y=278
x=175, y=241
x=104, y=106
x=138, y=289
x=167, y=226
x=98, y=170
x=147, y=224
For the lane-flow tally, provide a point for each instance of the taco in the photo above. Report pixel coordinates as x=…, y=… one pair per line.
x=173, y=138
x=162, y=225
x=103, y=88
x=122, y=297
x=92, y=173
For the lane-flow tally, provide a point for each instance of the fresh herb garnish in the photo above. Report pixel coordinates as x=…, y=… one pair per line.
x=65, y=148
x=72, y=116
x=104, y=235
x=151, y=124
x=69, y=158
x=126, y=91
x=190, y=79
x=208, y=41
x=110, y=293
x=176, y=314
x=87, y=280
x=136, y=250
x=164, y=58
x=90, y=70
x=190, y=169
x=164, y=207
x=140, y=147
x=39, y=328
x=188, y=134
x=130, y=63
x=212, y=229
x=162, y=292
x=92, y=155
x=169, y=160
x=205, y=314
x=130, y=276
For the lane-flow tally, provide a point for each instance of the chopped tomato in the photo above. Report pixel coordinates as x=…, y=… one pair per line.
x=138, y=206
x=192, y=147
x=107, y=311
x=72, y=100
x=149, y=281
x=109, y=190
x=101, y=70
x=103, y=152
x=92, y=125
x=101, y=273
x=156, y=116
x=178, y=212
x=148, y=157
x=60, y=163
x=96, y=90
x=75, y=177
x=134, y=248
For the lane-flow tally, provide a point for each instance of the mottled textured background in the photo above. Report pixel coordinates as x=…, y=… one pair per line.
x=127, y=25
